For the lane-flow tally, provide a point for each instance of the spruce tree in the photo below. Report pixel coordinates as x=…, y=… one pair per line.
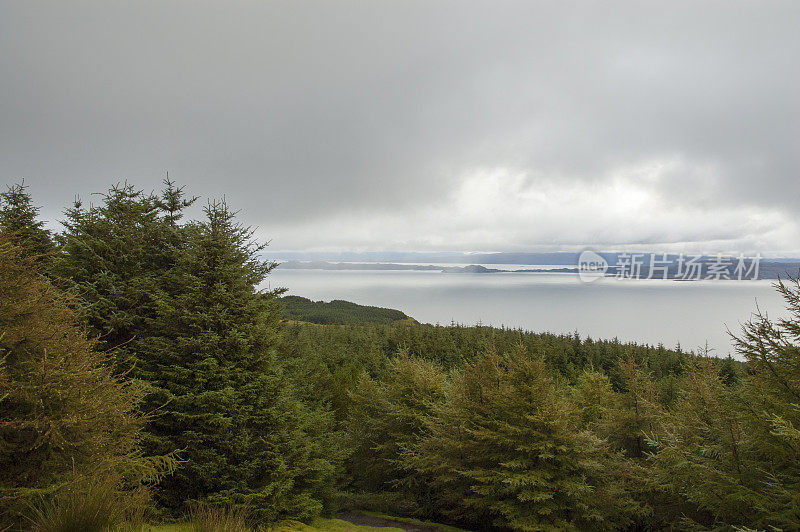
x=19, y=220
x=387, y=418
x=505, y=452
x=704, y=461
x=117, y=256
x=637, y=412
x=728, y=451
x=179, y=302
x=226, y=404
x=607, y=413
x=770, y=399
x=65, y=413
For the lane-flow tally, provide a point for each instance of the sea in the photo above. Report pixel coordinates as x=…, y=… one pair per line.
x=697, y=315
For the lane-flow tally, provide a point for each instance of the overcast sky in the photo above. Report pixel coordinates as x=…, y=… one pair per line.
x=431, y=125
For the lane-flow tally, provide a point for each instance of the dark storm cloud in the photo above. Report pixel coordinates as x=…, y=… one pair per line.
x=303, y=111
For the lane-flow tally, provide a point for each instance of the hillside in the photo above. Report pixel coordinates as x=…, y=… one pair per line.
x=337, y=312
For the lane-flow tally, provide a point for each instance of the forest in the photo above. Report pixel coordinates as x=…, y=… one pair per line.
x=145, y=381
x=338, y=312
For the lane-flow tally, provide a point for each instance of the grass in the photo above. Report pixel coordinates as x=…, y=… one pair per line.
x=330, y=525
x=412, y=521
x=92, y=505
x=94, y=508
x=203, y=518
x=319, y=525
x=215, y=519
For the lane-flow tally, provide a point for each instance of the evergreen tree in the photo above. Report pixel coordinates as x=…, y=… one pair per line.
x=118, y=256
x=597, y=402
x=612, y=416
x=245, y=437
x=19, y=219
x=771, y=401
x=173, y=201
x=505, y=452
x=703, y=460
x=179, y=301
x=638, y=411
x=729, y=452
x=606, y=413
x=64, y=412
x=387, y=418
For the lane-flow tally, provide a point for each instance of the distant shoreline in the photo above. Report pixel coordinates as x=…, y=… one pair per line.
x=768, y=270
x=390, y=266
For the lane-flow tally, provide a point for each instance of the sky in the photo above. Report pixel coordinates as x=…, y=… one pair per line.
x=421, y=125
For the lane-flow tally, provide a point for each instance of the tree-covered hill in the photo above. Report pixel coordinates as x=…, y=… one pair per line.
x=337, y=312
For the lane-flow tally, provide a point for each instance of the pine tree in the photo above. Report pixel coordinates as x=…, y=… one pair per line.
x=118, y=256
x=179, y=301
x=625, y=419
x=728, y=452
x=65, y=413
x=505, y=452
x=173, y=201
x=386, y=420
x=771, y=400
x=704, y=460
x=245, y=437
x=19, y=219
x=638, y=411
x=606, y=413
x=596, y=400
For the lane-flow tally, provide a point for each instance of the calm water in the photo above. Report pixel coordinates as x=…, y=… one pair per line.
x=652, y=311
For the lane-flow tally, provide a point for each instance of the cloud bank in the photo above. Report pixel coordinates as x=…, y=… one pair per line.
x=483, y=126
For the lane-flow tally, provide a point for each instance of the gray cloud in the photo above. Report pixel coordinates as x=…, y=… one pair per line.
x=305, y=112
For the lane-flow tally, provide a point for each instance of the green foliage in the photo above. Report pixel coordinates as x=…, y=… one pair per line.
x=336, y=312
x=120, y=258
x=596, y=400
x=498, y=429
x=772, y=384
x=247, y=439
x=180, y=301
x=386, y=419
x=19, y=220
x=64, y=412
x=730, y=454
x=703, y=458
x=327, y=361
x=637, y=411
x=505, y=451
